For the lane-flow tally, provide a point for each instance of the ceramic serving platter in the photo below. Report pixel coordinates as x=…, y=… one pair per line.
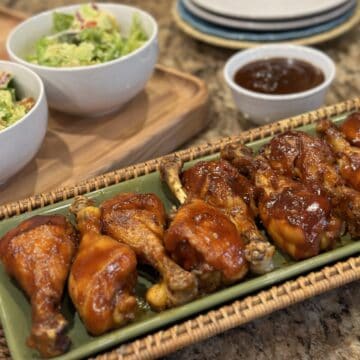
x=269, y=36
x=278, y=25
x=15, y=311
x=269, y=10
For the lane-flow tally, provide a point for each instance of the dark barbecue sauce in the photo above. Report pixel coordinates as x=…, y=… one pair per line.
x=279, y=76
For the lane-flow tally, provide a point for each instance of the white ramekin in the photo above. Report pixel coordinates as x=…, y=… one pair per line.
x=263, y=108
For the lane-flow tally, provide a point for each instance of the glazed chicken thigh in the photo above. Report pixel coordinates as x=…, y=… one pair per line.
x=348, y=157
x=38, y=254
x=220, y=185
x=310, y=159
x=218, y=182
x=139, y=221
x=299, y=220
x=103, y=276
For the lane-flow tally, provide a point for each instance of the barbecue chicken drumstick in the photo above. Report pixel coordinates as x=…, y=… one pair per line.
x=310, y=159
x=38, y=254
x=348, y=157
x=138, y=220
x=103, y=276
x=298, y=219
x=220, y=185
x=204, y=241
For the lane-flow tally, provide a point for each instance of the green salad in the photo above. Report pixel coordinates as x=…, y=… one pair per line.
x=90, y=36
x=11, y=109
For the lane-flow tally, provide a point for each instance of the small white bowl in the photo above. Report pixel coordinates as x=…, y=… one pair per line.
x=96, y=89
x=264, y=108
x=21, y=140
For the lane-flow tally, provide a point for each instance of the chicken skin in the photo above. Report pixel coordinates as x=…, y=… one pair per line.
x=310, y=160
x=299, y=220
x=138, y=220
x=348, y=157
x=351, y=129
x=38, y=254
x=216, y=182
x=204, y=241
x=220, y=185
x=103, y=276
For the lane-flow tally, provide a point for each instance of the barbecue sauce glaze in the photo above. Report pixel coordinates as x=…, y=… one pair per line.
x=279, y=76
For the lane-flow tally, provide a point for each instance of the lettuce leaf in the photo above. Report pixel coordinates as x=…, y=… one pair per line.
x=137, y=36
x=62, y=21
x=92, y=42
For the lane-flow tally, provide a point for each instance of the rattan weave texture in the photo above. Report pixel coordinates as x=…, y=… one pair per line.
x=114, y=177
x=237, y=313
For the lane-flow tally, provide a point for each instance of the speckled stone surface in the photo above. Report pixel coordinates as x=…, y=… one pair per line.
x=325, y=327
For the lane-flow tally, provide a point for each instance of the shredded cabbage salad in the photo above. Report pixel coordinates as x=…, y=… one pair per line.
x=11, y=109
x=90, y=36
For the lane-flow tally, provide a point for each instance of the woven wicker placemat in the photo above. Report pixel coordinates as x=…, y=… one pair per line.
x=228, y=316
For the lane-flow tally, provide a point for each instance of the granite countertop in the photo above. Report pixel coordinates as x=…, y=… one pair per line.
x=325, y=327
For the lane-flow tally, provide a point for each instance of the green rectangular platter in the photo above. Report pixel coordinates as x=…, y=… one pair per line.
x=15, y=310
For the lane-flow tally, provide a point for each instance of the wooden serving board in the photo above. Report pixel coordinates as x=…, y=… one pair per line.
x=171, y=109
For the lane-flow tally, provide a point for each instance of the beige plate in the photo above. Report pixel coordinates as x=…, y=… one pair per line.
x=233, y=44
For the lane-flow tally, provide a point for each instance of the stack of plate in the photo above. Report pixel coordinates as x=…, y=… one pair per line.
x=238, y=24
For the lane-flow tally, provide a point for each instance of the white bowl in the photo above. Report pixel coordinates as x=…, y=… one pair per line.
x=21, y=141
x=96, y=89
x=265, y=108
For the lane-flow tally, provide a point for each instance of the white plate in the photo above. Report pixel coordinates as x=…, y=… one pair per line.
x=267, y=25
x=268, y=9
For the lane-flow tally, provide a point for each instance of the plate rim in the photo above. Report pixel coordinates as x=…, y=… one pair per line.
x=223, y=32
x=222, y=11
x=245, y=24
x=241, y=44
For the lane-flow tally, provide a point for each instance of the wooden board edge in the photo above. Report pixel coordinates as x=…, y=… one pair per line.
x=197, y=103
x=200, y=84
x=13, y=13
